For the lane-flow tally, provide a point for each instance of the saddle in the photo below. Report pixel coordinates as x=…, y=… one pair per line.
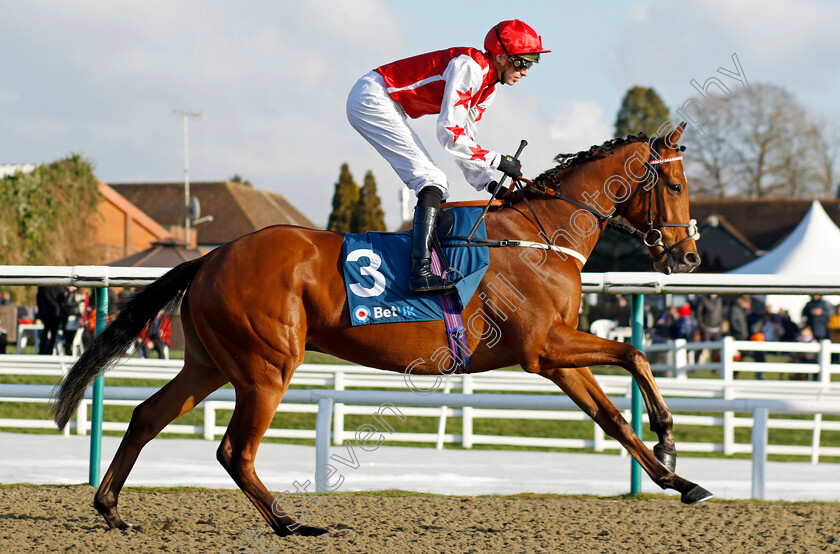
x=376, y=287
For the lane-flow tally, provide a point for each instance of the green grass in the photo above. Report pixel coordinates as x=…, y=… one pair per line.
x=417, y=424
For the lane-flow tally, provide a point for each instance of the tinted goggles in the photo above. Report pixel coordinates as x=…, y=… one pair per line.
x=520, y=63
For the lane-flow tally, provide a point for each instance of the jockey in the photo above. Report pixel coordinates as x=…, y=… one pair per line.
x=458, y=84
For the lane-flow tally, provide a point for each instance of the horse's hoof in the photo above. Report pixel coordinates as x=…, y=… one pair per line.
x=120, y=524
x=307, y=531
x=668, y=458
x=695, y=495
x=114, y=521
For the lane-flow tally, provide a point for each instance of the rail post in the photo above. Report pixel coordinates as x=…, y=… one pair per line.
x=727, y=358
x=209, y=420
x=338, y=411
x=759, y=451
x=815, y=439
x=322, y=442
x=638, y=327
x=98, y=393
x=680, y=358
x=467, y=414
x=825, y=362
x=442, y=420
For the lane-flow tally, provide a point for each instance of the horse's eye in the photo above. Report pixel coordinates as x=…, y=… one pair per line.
x=676, y=189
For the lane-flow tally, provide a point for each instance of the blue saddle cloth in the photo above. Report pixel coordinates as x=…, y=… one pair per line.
x=377, y=269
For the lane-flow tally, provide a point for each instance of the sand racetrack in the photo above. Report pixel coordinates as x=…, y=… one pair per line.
x=62, y=519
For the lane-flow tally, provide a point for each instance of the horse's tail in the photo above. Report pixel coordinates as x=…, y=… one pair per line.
x=106, y=348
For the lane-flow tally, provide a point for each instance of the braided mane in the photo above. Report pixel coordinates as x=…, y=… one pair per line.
x=568, y=161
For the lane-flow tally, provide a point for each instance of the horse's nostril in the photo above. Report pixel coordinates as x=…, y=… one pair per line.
x=692, y=258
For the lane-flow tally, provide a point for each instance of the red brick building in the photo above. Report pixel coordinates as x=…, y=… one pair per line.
x=123, y=229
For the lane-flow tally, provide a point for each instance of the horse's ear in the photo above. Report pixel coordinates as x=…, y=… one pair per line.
x=674, y=137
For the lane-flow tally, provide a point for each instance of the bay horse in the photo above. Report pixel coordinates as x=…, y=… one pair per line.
x=251, y=308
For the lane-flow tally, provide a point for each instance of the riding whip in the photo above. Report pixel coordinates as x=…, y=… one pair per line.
x=522, y=146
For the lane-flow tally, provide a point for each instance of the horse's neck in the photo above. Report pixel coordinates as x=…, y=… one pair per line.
x=571, y=226
x=575, y=227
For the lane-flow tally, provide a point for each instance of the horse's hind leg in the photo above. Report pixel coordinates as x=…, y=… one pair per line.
x=179, y=396
x=584, y=390
x=252, y=415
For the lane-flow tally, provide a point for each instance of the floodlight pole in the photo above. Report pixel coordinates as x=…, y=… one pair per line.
x=186, y=114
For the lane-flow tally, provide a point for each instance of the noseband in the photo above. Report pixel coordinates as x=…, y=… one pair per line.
x=692, y=232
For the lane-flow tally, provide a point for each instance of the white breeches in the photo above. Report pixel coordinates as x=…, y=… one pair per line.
x=384, y=125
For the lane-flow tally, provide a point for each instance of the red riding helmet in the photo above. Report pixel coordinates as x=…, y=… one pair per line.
x=513, y=38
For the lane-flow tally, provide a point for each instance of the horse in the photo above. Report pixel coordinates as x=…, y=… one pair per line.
x=251, y=309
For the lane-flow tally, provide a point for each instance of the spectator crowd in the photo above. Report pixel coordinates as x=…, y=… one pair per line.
x=709, y=318
x=68, y=322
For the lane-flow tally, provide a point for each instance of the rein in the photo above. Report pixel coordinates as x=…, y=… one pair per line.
x=651, y=238
x=626, y=228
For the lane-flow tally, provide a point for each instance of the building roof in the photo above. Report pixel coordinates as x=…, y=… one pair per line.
x=764, y=223
x=721, y=246
x=720, y=221
x=162, y=253
x=237, y=209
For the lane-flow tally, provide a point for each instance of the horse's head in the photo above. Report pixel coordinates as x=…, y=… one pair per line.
x=660, y=208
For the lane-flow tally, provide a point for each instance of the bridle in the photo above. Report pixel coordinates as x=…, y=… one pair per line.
x=692, y=232
x=652, y=236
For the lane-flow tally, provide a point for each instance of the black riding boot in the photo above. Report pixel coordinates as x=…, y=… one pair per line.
x=422, y=279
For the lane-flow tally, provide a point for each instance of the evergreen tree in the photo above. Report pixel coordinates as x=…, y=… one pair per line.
x=368, y=214
x=642, y=109
x=345, y=198
x=237, y=178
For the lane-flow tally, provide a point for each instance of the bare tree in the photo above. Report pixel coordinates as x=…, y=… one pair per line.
x=710, y=161
x=758, y=142
x=796, y=170
x=828, y=158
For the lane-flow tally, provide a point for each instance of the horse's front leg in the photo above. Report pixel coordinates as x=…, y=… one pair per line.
x=569, y=348
x=581, y=386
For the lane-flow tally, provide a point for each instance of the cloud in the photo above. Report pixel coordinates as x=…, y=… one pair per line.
x=365, y=24
x=514, y=115
x=7, y=97
x=271, y=79
x=784, y=42
x=577, y=124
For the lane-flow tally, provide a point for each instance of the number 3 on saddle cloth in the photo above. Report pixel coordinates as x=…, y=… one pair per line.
x=377, y=268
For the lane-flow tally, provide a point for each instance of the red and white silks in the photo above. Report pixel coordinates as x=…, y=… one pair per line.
x=458, y=84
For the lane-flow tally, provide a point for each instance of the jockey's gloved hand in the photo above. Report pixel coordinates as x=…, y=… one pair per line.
x=510, y=166
x=493, y=185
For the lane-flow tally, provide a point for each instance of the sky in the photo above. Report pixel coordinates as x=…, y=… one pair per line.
x=270, y=80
